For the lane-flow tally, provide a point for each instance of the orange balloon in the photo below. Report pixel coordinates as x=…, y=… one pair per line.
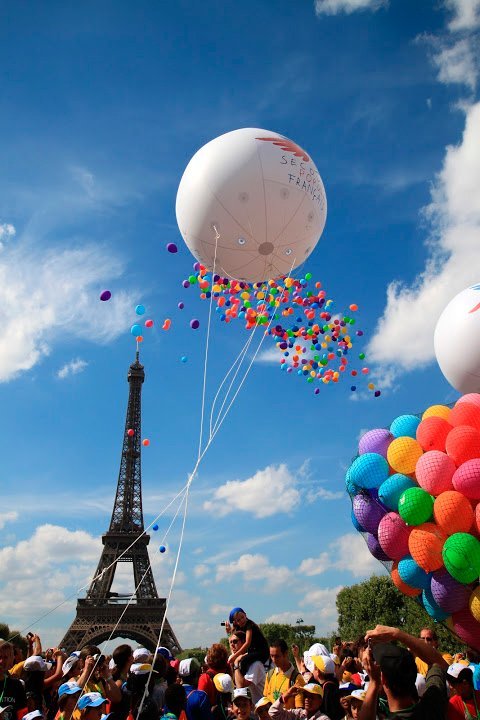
x=453, y=512
x=425, y=544
x=439, y=410
x=146, y=442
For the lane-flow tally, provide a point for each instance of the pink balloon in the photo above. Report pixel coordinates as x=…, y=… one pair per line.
x=393, y=536
x=467, y=479
x=434, y=472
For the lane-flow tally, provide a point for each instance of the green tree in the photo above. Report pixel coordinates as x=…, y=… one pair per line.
x=378, y=602
x=197, y=652
x=4, y=631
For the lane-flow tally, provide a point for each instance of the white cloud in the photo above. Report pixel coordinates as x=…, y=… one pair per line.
x=53, y=563
x=201, y=570
x=348, y=553
x=324, y=494
x=271, y=356
x=334, y=7
x=457, y=62
x=7, y=231
x=218, y=609
x=6, y=517
x=404, y=334
x=46, y=295
x=255, y=568
x=72, y=368
x=266, y=493
x=466, y=14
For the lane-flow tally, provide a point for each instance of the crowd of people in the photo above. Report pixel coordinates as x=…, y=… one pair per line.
x=386, y=673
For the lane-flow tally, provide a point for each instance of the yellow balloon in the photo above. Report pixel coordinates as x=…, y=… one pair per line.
x=437, y=411
x=474, y=604
x=403, y=453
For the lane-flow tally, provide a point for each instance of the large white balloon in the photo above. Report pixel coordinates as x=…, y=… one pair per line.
x=457, y=341
x=264, y=197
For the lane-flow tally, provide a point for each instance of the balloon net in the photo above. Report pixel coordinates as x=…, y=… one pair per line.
x=415, y=487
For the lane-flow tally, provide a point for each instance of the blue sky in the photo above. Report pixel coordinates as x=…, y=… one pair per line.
x=102, y=107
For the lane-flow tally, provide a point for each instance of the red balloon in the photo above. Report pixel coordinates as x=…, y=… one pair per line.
x=466, y=414
x=432, y=433
x=130, y=432
x=463, y=443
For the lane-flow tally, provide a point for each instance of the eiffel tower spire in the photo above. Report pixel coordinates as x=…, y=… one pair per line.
x=125, y=541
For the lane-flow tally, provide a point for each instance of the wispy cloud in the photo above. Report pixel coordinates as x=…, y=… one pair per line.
x=466, y=14
x=348, y=553
x=6, y=517
x=74, y=367
x=334, y=7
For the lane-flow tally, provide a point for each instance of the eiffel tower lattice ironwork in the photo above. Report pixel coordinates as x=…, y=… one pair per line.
x=125, y=541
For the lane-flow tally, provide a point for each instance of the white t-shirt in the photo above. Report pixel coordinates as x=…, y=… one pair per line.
x=256, y=675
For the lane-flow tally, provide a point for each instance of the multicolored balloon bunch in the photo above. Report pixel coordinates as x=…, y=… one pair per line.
x=312, y=339
x=415, y=492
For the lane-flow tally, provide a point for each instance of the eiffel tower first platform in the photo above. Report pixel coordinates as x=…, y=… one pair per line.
x=99, y=612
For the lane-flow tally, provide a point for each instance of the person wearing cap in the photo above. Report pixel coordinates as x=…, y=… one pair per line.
x=198, y=704
x=91, y=706
x=282, y=676
x=430, y=636
x=324, y=675
x=96, y=676
x=465, y=701
x=217, y=662
x=242, y=705
x=254, y=676
x=392, y=668
x=223, y=685
x=255, y=646
x=354, y=702
x=12, y=691
x=262, y=707
x=68, y=695
x=140, y=683
x=312, y=701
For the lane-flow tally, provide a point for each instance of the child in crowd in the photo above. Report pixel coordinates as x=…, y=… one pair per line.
x=255, y=646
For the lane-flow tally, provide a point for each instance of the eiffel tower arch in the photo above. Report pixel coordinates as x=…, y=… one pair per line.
x=125, y=541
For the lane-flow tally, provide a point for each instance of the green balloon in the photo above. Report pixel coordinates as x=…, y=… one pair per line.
x=461, y=556
x=415, y=506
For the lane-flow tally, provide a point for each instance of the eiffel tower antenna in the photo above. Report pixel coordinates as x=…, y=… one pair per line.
x=98, y=613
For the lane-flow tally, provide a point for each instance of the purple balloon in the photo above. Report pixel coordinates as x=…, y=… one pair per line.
x=194, y=324
x=375, y=441
x=375, y=549
x=181, y=306
x=449, y=594
x=105, y=295
x=172, y=248
x=368, y=512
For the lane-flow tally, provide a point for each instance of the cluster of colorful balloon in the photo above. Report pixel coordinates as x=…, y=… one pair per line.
x=136, y=330
x=312, y=339
x=415, y=490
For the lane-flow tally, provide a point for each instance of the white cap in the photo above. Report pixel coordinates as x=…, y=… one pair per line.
x=142, y=655
x=69, y=663
x=36, y=662
x=32, y=715
x=455, y=669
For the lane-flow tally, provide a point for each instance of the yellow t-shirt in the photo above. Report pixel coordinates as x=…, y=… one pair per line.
x=16, y=670
x=278, y=682
x=422, y=666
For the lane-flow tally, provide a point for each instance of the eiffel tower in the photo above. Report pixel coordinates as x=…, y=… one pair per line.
x=124, y=541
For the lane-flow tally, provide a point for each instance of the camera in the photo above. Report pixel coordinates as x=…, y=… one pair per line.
x=223, y=624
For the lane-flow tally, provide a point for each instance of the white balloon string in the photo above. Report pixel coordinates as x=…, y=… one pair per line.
x=172, y=583
x=239, y=359
x=277, y=304
x=205, y=364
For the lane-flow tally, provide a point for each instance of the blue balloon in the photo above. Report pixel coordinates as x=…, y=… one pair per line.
x=140, y=309
x=412, y=574
x=432, y=608
x=184, y=358
x=390, y=490
x=155, y=527
x=405, y=426
x=369, y=470
x=352, y=488
x=162, y=548
x=136, y=330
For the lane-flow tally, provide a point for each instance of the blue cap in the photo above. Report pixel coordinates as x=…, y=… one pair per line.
x=69, y=688
x=91, y=699
x=234, y=612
